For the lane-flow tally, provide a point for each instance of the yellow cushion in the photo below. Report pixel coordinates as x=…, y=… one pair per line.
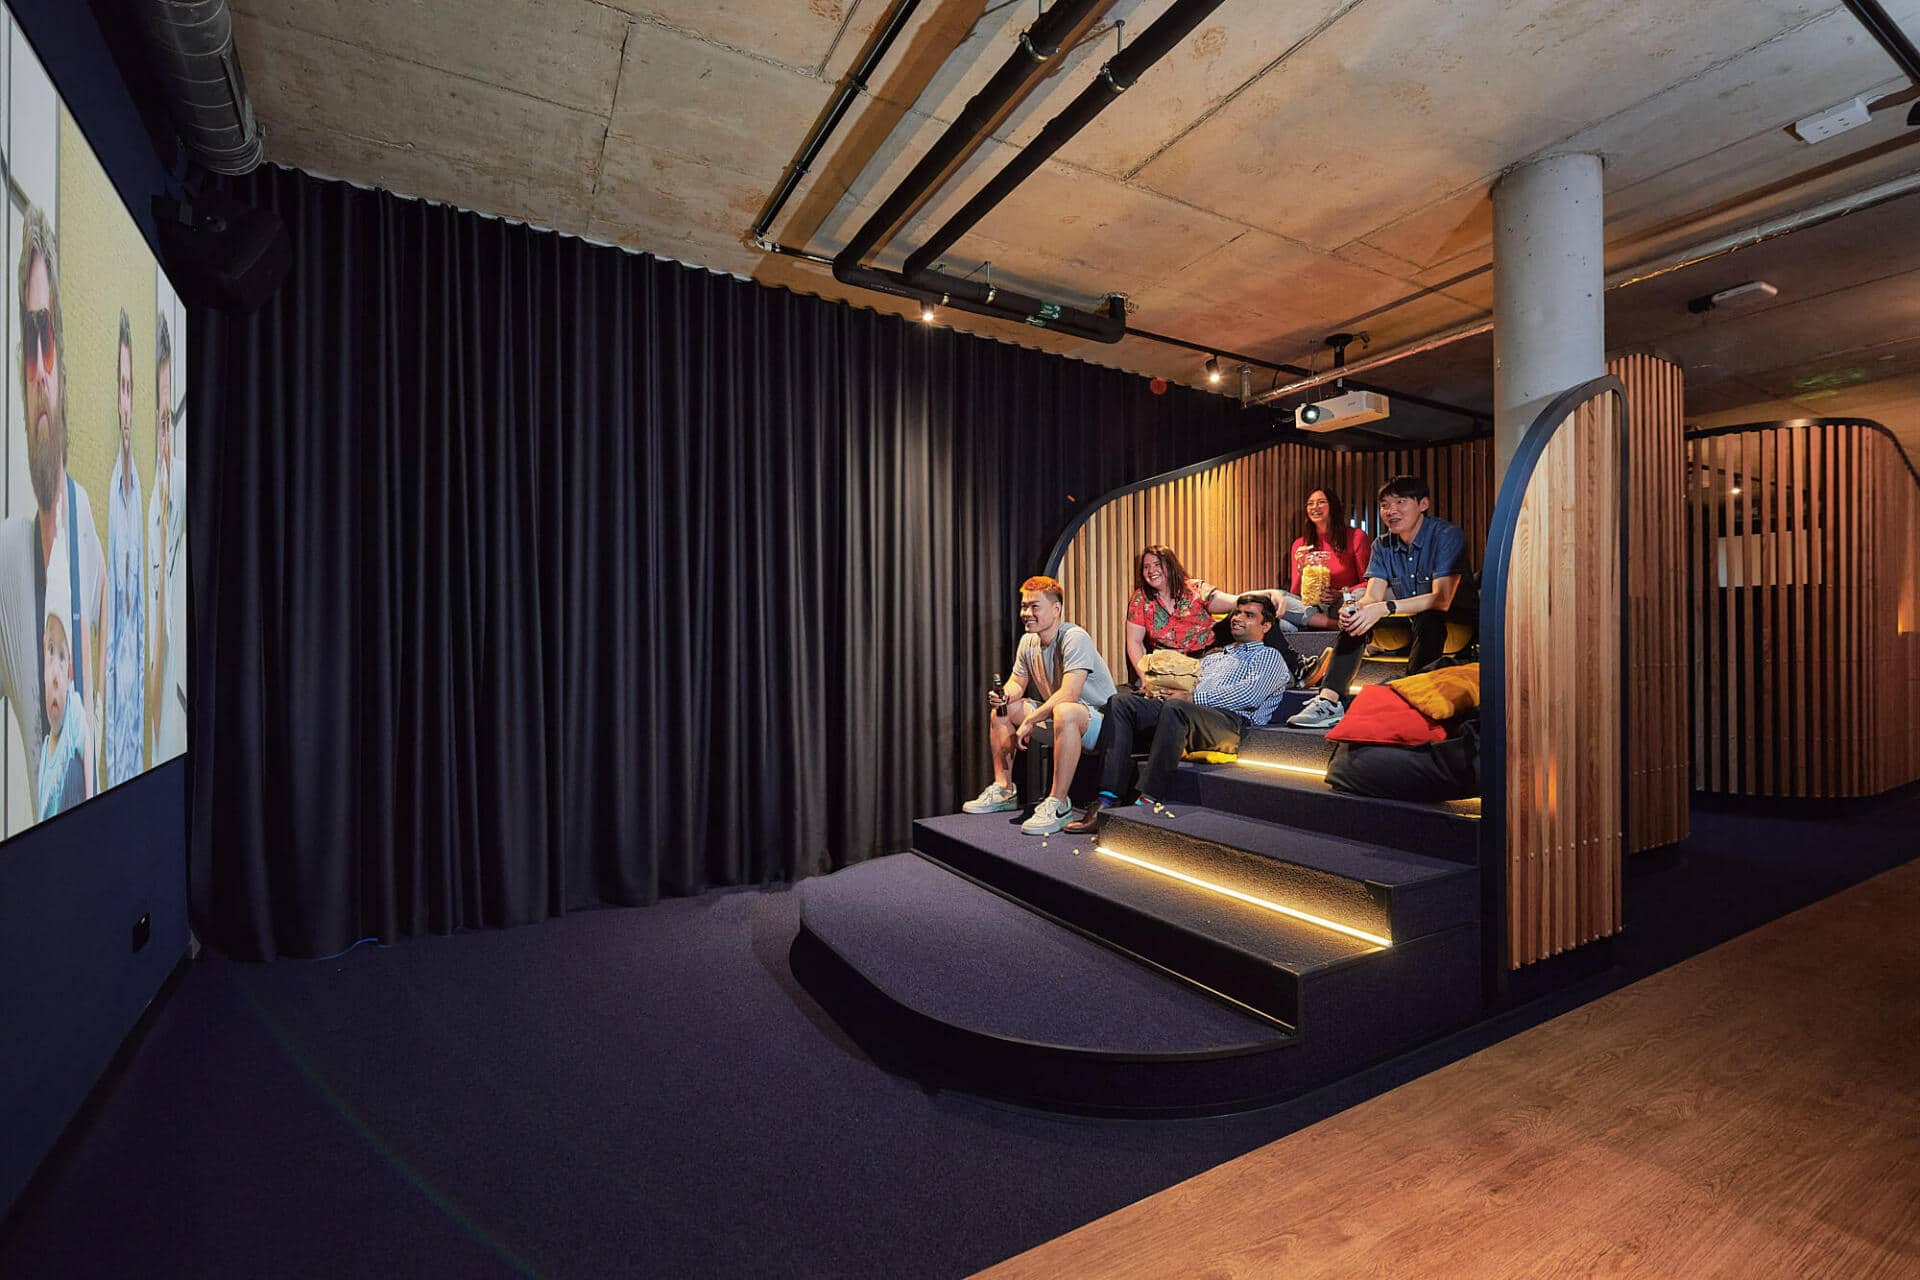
x=1211, y=757
x=1443, y=693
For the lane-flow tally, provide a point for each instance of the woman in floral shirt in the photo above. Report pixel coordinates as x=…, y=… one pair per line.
x=1173, y=610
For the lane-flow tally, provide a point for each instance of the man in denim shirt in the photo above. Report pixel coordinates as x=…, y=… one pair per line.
x=1416, y=569
x=126, y=639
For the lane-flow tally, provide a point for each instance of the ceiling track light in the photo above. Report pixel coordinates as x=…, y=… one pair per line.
x=1213, y=370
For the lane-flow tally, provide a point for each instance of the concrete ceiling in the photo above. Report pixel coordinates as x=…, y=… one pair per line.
x=1291, y=170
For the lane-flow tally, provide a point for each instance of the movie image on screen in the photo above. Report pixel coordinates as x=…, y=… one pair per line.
x=93, y=532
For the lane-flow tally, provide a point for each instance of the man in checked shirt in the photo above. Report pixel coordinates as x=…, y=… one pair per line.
x=1239, y=686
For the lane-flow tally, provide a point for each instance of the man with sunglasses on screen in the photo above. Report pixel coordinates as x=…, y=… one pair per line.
x=62, y=507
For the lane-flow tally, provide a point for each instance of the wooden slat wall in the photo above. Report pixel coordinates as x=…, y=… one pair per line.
x=1565, y=825
x=1232, y=524
x=1657, y=750
x=1803, y=547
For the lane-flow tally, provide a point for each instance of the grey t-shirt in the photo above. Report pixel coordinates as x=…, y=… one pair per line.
x=20, y=639
x=1072, y=650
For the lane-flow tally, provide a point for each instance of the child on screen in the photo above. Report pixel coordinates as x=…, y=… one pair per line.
x=63, y=779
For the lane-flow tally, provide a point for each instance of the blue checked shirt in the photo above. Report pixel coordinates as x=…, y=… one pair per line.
x=1246, y=679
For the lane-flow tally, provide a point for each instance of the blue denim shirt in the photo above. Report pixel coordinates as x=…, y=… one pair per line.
x=1437, y=551
x=126, y=634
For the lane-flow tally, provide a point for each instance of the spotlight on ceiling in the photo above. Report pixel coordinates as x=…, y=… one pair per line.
x=1213, y=369
x=1750, y=294
x=927, y=313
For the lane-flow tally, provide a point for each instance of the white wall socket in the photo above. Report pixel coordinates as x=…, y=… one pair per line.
x=1822, y=125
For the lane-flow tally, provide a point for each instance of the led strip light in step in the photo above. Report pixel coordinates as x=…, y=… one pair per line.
x=1289, y=768
x=1293, y=913
x=1306, y=771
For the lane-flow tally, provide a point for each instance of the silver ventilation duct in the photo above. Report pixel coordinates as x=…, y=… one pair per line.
x=194, y=57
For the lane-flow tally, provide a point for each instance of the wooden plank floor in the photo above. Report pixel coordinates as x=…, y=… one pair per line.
x=1752, y=1112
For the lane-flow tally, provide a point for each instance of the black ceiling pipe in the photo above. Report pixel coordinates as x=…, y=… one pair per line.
x=1261, y=362
x=1115, y=78
x=1038, y=44
x=1884, y=29
x=1002, y=304
x=192, y=44
x=850, y=88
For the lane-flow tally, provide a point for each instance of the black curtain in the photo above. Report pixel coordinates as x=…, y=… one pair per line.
x=530, y=574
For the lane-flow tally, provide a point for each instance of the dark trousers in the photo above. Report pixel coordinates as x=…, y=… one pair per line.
x=1429, y=643
x=1174, y=726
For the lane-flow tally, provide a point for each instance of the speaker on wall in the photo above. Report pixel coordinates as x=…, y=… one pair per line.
x=220, y=252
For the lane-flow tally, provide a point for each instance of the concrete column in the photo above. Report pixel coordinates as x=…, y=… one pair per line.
x=1549, y=291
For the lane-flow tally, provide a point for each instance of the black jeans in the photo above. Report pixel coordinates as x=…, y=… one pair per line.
x=1174, y=725
x=1429, y=644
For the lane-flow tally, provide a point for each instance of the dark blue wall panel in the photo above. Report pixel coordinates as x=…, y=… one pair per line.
x=71, y=984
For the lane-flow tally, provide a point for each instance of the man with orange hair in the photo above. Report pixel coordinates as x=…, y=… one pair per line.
x=1060, y=663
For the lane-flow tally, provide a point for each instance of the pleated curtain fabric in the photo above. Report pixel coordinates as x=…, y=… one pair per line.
x=530, y=575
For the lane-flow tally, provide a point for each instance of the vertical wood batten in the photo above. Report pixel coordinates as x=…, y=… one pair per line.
x=1565, y=820
x=1827, y=568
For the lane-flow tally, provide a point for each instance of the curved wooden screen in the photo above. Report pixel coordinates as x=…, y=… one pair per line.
x=1657, y=663
x=1231, y=523
x=1553, y=769
x=1804, y=548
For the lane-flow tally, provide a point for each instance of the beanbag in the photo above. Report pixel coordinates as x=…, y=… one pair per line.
x=1448, y=770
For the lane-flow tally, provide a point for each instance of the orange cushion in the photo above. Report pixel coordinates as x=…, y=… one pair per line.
x=1442, y=693
x=1379, y=714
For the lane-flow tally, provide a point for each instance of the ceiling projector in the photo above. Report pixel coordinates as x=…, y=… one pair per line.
x=1349, y=410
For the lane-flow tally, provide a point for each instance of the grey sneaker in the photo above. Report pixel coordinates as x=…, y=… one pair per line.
x=1321, y=713
x=995, y=799
x=1048, y=817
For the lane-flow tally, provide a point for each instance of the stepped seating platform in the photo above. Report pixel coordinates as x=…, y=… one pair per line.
x=1260, y=936
x=1200, y=959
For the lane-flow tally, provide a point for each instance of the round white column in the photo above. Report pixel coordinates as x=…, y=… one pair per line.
x=1549, y=291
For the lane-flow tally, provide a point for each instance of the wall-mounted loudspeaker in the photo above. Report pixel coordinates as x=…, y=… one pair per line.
x=221, y=253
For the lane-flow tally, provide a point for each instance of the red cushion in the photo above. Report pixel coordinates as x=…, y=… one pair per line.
x=1379, y=714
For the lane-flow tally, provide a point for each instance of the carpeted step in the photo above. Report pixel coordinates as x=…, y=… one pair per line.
x=1281, y=744
x=1439, y=829
x=968, y=957
x=1382, y=892
x=948, y=981
x=1243, y=952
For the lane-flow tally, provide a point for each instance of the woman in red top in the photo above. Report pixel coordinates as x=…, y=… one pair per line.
x=1346, y=550
x=1171, y=609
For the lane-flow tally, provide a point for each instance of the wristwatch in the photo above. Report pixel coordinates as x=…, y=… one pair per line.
x=1393, y=606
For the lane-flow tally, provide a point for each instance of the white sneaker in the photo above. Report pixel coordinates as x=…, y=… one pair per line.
x=995, y=799
x=1048, y=817
x=1321, y=713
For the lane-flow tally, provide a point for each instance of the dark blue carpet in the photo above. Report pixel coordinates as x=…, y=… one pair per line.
x=646, y=1092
